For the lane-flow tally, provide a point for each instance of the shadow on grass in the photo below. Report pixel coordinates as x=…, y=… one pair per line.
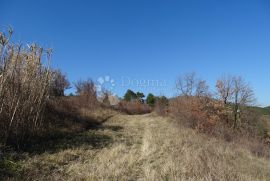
x=61, y=141
x=70, y=131
x=90, y=138
x=109, y=127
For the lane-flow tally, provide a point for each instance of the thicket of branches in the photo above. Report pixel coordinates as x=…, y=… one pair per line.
x=25, y=79
x=86, y=93
x=229, y=107
x=233, y=91
x=59, y=83
x=31, y=92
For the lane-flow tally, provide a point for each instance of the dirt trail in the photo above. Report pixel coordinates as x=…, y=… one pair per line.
x=147, y=147
x=129, y=152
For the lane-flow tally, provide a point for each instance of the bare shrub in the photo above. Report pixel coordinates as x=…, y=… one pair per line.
x=238, y=97
x=24, y=89
x=225, y=88
x=195, y=106
x=161, y=105
x=230, y=116
x=243, y=96
x=134, y=107
x=86, y=92
x=185, y=84
x=59, y=84
x=201, y=113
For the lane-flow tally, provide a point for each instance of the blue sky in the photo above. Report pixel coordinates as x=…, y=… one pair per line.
x=149, y=39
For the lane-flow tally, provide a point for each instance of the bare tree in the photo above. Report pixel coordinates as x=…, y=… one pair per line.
x=242, y=95
x=235, y=91
x=87, y=91
x=202, y=89
x=225, y=88
x=86, y=87
x=188, y=85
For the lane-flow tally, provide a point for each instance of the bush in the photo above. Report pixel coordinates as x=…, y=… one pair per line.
x=24, y=90
x=134, y=107
x=150, y=99
x=87, y=94
x=59, y=84
x=212, y=117
x=201, y=113
x=161, y=105
x=228, y=116
x=130, y=95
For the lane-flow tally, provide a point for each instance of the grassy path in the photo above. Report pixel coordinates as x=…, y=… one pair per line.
x=146, y=147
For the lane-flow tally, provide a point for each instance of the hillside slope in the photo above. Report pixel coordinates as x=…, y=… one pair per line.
x=263, y=110
x=145, y=147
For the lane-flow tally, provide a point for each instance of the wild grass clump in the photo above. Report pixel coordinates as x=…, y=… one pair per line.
x=24, y=89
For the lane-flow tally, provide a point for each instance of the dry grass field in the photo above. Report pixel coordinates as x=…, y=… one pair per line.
x=142, y=147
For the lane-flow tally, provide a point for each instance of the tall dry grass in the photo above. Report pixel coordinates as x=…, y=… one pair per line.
x=149, y=147
x=24, y=88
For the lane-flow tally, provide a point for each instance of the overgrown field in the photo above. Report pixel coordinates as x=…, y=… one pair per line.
x=141, y=147
x=90, y=135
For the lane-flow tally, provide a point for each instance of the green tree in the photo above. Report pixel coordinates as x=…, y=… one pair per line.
x=130, y=95
x=150, y=99
x=163, y=100
x=140, y=96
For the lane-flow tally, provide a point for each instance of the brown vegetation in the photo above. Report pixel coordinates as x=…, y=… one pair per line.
x=133, y=107
x=24, y=90
x=145, y=147
x=59, y=84
x=31, y=94
x=161, y=106
x=229, y=116
x=86, y=92
x=77, y=137
x=236, y=91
